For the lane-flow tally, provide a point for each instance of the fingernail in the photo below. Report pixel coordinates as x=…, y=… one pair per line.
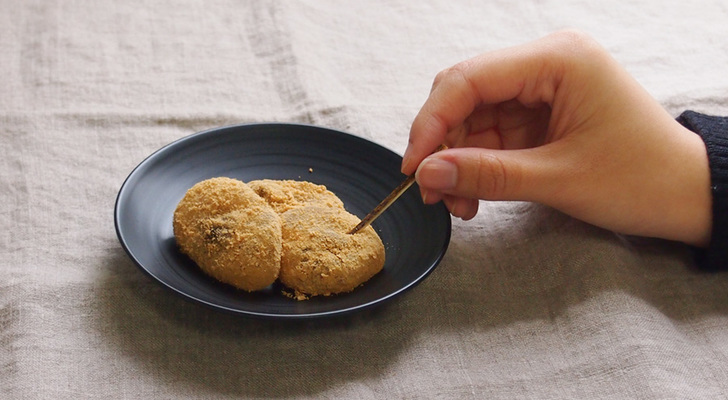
x=437, y=174
x=454, y=208
x=431, y=196
x=406, y=160
x=405, y=164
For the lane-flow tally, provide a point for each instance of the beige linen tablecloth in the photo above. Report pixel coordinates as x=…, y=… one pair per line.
x=527, y=303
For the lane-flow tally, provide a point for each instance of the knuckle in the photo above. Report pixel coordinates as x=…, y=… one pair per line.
x=443, y=76
x=440, y=77
x=493, y=179
x=457, y=72
x=571, y=35
x=575, y=44
x=458, y=81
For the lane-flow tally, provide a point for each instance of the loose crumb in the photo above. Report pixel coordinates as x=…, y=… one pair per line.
x=295, y=295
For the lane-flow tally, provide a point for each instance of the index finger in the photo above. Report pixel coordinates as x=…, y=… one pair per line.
x=490, y=78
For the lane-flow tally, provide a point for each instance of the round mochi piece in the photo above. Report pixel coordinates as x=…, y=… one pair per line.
x=230, y=232
x=284, y=195
x=319, y=257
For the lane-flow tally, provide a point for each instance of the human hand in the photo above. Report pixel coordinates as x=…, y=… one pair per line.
x=558, y=121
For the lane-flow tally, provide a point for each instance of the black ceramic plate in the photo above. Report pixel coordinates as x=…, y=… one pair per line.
x=360, y=172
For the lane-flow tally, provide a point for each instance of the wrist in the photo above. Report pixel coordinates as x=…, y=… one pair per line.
x=697, y=208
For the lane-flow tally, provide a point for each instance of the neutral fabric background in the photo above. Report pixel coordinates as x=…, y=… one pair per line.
x=527, y=303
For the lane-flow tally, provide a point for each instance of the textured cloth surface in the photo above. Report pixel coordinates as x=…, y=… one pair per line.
x=527, y=303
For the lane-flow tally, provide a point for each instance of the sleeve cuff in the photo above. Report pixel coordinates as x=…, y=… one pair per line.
x=714, y=132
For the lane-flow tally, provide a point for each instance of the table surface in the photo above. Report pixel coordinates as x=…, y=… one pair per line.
x=527, y=302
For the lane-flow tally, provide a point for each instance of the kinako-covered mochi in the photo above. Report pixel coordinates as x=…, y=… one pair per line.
x=319, y=257
x=249, y=235
x=284, y=195
x=230, y=232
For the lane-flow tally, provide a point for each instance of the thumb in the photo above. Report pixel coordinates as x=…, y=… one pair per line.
x=477, y=173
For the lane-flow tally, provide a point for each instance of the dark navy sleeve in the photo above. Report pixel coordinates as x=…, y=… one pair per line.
x=714, y=132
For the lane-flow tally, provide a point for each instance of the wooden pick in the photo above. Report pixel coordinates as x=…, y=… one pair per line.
x=378, y=210
x=391, y=198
